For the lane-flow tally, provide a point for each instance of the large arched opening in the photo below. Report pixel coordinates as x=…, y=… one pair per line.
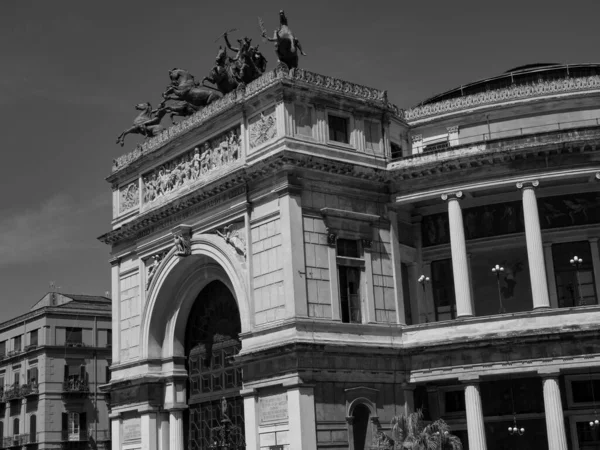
x=215, y=408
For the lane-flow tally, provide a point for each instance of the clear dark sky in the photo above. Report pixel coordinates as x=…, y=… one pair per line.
x=72, y=72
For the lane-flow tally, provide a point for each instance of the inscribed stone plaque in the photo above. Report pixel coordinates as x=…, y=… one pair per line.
x=132, y=430
x=273, y=408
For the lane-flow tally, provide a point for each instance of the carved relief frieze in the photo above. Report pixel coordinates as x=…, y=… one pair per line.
x=235, y=235
x=263, y=128
x=192, y=167
x=129, y=197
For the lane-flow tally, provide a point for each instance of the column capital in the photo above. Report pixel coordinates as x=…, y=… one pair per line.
x=547, y=244
x=549, y=372
x=452, y=129
x=598, y=176
x=593, y=240
x=417, y=137
x=469, y=379
x=457, y=195
x=529, y=184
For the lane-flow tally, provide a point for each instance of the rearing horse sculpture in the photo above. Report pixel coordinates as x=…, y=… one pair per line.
x=286, y=44
x=223, y=75
x=185, y=88
x=147, y=123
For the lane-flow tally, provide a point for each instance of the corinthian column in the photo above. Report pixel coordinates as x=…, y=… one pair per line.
x=460, y=265
x=176, y=429
x=555, y=420
x=535, y=249
x=475, y=428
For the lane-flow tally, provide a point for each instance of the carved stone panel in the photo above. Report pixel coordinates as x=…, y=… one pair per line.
x=129, y=197
x=192, y=167
x=262, y=127
x=235, y=235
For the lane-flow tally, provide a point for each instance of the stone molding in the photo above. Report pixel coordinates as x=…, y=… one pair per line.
x=566, y=85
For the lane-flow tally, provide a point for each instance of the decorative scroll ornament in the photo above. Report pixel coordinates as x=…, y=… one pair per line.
x=331, y=237
x=233, y=235
x=152, y=268
x=191, y=166
x=130, y=197
x=262, y=129
x=182, y=237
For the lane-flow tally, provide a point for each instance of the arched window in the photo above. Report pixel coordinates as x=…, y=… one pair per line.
x=16, y=427
x=32, y=428
x=360, y=427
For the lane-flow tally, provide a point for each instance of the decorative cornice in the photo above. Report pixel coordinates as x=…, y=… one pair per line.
x=240, y=96
x=540, y=89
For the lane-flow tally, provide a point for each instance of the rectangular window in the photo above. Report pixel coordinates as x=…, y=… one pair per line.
x=406, y=294
x=587, y=436
x=396, y=150
x=16, y=379
x=17, y=344
x=338, y=129
x=74, y=426
x=372, y=135
x=32, y=375
x=74, y=336
x=303, y=120
x=347, y=248
x=109, y=338
x=33, y=338
x=350, y=294
x=2, y=349
x=584, y=391
x=442, y=284
x=574, y=282
x=454, y=401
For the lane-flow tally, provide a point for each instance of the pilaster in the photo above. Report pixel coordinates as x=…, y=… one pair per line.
x=176, y=429
x=535, y=252
x=149, y=428
x=292, y=237
x=251, y=421
x=163, y=431
x=301, y=407
x=460, y=265
x=321, y=117
x=116, y=310
x=116, y=436
x=333, y=276
x=397, y=268
x=368, y=283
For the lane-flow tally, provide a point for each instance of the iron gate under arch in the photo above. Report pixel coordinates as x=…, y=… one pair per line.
x=216, y=410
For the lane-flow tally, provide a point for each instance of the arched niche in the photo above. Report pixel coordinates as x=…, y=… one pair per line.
x=176, y=285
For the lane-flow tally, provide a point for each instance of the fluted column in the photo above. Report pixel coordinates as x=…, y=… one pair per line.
x=176, y=429
x=555, y=420
x=535, y=249
x=475, y=427
x=460, y=265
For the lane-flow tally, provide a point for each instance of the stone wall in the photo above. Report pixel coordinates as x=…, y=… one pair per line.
x=269, y=299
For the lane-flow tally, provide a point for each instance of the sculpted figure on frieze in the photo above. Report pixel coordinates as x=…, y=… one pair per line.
x=287, y=46
x=189, y=167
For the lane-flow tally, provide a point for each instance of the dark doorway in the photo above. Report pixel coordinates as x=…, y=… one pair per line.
x=214, y=377
x=360, y=426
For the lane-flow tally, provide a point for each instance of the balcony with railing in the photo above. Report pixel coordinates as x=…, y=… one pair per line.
x=75, y=387
x=74, y=436
x=12, y=393
x=19, y=440
x=29, y=389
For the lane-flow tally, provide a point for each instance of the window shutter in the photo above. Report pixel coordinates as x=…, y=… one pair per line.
x=32, y=425
x=66, y=372
x=82, y=425
x=34, y=375
x=65, y=422
x=82, y=372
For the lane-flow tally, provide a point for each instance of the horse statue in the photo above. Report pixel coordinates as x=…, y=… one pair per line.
x=185, y=88
x=231, y=73
x=251, y=63
x=286, y=44
x=224, y=75
x=147, y=123
x=180, y=108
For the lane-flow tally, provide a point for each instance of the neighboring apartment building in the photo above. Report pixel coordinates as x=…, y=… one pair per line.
x=52, y=360
x=323, y=261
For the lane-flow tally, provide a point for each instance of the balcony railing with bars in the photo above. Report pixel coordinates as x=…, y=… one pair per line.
x=19, y=440
x=74, y=344
x=12, y=393
x=29, y=389
x=80, y=436
x=30, y=347
x=75, y=386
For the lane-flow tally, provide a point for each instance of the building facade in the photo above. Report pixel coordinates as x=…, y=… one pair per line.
x=52, y=360
x=301, y=261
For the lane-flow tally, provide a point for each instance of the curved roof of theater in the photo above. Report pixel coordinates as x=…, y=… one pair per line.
x=519, y=83
x=519, y=76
